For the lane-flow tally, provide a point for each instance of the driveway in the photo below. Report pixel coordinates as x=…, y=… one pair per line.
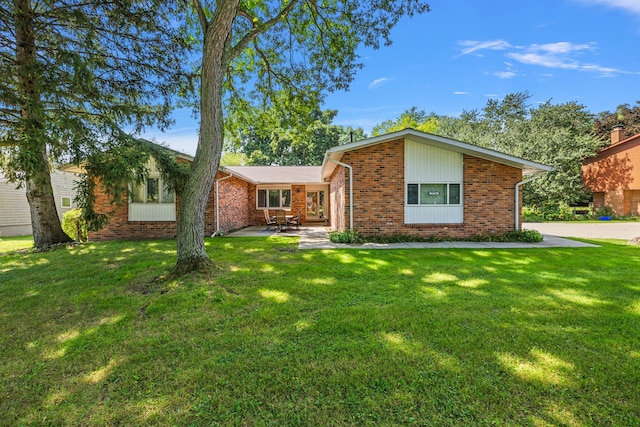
x=587, y=230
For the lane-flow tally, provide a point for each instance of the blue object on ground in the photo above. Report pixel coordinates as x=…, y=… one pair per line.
x=605, y=218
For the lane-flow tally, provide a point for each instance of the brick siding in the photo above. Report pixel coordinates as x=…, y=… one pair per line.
x=379, y=188
x=233, y=214
x=298, y=204
x=614, y=176
x=119, y=226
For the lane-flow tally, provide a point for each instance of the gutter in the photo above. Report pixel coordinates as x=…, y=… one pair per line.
x=350, y=190
x=517, y=210
x=218, y=231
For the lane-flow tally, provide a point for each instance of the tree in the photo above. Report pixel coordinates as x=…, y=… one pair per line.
x=73, y=74
x=291, y=144
x=624, y=115
x=253, y=50
x=560, y=136
x=411, y=118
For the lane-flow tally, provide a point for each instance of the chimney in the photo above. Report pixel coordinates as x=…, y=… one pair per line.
x=617, y=134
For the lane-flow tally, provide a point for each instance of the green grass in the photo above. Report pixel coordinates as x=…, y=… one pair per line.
x=337, y=337
x=12, y=244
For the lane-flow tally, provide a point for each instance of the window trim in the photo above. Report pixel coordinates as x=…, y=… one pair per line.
x=448, y=196
x=145, y=186
x=271, y=188
x=62, y=204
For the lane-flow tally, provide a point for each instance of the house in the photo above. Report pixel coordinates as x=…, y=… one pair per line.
x=406, y=182
x=15, y=216
x=613, y=174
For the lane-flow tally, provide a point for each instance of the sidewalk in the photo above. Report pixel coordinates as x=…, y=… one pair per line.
x=318, y=238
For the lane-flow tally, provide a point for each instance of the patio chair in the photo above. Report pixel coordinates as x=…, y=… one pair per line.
x=295, y=221
x=270, y=220
x=281, y=220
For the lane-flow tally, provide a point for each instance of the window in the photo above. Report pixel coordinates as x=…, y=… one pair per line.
x=274, y=198
x=149, y=192
x=66, y=202
x=433, y=194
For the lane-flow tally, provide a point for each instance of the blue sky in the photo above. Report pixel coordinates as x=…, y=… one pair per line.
x=465, y=52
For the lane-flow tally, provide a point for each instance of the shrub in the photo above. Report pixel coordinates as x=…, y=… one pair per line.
x=347, y=236
x=74, y=225
x=527, y=236
x=605, y=211
x=532, y=214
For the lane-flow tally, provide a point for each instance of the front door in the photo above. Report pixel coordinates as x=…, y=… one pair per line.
x=315, y=205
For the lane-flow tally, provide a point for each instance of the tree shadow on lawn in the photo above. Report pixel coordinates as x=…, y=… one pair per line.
x=343, y=337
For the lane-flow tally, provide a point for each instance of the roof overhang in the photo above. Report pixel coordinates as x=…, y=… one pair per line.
x=335, y=154
x=79, y=168
x=276, y=175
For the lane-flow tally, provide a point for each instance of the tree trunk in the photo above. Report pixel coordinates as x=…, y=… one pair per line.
x=45, y=221
x=47, y=229
x=192, y=255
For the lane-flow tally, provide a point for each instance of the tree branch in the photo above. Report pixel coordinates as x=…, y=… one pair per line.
x=258, y=29
x=204, y=23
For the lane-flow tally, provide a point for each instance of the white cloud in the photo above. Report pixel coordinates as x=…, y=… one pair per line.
x=542, y=60
x=461, y=93
x=632, y=6
x=560, y=55
x=379, y=82
x=560, y=47
x=474, y=45
x=505, y=74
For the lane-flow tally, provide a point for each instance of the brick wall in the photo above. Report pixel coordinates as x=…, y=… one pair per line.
x=233, y=214
x=233, y=194
x=489, y=196
x=298, y=202
x=379, y=195
x=615, y=174
x=632, y=202
x=378, y=182
x=119, y=226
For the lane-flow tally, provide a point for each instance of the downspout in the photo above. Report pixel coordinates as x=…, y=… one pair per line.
x=350, y=190
x=217, y=232
x=517, y=211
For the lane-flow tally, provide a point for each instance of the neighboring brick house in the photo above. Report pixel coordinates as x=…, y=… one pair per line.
x=410, y=182
x=406, y=182
x=614, y=174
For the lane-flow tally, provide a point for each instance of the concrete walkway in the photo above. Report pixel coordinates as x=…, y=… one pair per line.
x=317, y=237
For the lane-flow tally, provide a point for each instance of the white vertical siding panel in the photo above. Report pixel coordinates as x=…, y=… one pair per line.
x=424, y=163
x=152, y=212
x=433, y=214
x=427, y=164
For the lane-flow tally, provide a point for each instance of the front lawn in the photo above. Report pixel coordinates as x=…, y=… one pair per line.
x=90, y=336
x=12, y=244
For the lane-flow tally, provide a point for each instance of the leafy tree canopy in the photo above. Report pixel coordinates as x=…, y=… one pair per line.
x=411, y=118
x=626, y=115
x=277, y=142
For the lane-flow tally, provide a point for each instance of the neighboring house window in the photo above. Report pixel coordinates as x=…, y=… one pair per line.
x=149, y=192
x=274, y=198
x=433, y=194
x=66, y=202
